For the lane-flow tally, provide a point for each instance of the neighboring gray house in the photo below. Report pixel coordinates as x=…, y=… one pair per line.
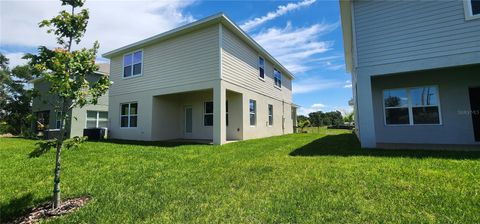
x=89, y=116
x=206, y=80
x=415, y=68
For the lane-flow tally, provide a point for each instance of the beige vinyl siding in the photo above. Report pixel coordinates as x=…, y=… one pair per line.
x=187, y=59
x=240, y=67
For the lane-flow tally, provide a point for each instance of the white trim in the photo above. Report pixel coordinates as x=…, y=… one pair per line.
x=410, y=107
x=129, y=115
x=467, y=8
x=123, y=64
x=220, y=44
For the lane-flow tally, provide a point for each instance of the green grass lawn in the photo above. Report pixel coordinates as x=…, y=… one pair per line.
x=307, y=178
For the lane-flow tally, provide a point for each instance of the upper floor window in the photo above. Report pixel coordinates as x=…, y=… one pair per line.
x=129, y=115
x=411, y=106
x=277, y=76
x=261, y=67
x=132, y=64
x=472, y=9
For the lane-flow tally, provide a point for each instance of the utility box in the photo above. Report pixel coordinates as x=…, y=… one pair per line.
x=95, y=134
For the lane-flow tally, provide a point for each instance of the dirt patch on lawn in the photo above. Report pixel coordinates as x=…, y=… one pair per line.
x=45, y=211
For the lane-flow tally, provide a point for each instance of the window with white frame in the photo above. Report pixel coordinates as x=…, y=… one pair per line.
x=472, y=9
x=97, y=119
x=253, y=112
x=261, y=67
x=412, y=106
x=58, y=120
x=208, y=113
x=129, y=115
x=277, y=76
x=270, y=114
x=132, y=64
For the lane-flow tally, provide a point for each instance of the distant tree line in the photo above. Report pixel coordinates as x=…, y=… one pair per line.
x=319, y=118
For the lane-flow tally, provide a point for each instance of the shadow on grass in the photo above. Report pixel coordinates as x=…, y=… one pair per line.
x=166, y=144
x=16, y=208
x=348, y=145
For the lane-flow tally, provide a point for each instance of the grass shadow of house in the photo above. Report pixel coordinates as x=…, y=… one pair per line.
x=348, y=145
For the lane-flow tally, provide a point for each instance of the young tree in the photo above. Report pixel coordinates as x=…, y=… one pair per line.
x=66, y=70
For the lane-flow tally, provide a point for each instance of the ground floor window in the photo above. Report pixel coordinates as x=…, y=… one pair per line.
x=226, y=112
x=253, y=112
x=129, y=115
x=412, y=106
x=97, y=119
x=270, y=114
x=208, y=113
x=58, y=120
x=42, y=120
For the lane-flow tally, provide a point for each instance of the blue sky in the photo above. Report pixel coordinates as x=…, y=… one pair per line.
x=305, y=36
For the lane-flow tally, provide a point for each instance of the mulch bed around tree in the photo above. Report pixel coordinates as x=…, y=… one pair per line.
x=45, y=211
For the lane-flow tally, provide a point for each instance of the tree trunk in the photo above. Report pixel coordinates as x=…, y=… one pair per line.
x=56, y=180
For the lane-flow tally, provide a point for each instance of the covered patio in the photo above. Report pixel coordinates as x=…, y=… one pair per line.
x=190, y=116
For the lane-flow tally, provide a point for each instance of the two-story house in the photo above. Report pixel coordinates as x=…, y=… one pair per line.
x=206, y=80
x=48, y=122
x=415, y=68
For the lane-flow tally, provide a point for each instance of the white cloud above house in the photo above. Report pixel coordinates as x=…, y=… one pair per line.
x=313, y=84
x=112, y=23
x=281, y=10
x=294, y=47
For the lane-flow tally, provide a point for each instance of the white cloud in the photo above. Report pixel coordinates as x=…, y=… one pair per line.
x=281, y=10
x=321, y=107
x=348, y=84
x=308, y=85
x=295, y=47
x=15, y=58
x=112, y=23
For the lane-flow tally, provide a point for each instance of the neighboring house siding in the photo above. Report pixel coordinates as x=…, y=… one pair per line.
x=44, y=102
x=240, y=67
x=401, y=31
x=78, y=115
x=187, y=59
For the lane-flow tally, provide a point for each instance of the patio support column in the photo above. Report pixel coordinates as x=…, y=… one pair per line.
x=219, y=118
x=364, y=106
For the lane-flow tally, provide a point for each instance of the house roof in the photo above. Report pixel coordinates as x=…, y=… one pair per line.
x=219, y=18
x=103, y=69
x=347, y=30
